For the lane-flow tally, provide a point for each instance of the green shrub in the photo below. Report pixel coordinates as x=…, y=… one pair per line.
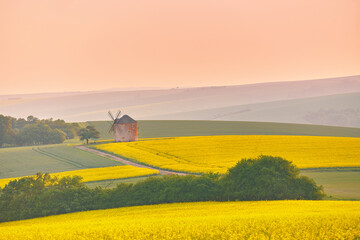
x=268, y=178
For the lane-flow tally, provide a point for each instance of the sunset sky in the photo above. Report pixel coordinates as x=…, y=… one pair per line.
x=72, y=45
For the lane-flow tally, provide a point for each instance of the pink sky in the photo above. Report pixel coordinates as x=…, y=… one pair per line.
x=71, y=45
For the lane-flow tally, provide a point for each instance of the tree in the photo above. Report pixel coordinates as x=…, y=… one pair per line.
x=268, y=178
x=56, y=136
x=6, y=132
x=39, y=133
x=43, y=195
x=88, y=133
x=32, y=119
x=33, y=131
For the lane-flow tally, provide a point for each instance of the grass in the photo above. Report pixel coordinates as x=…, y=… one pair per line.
x=178, y=128
x=343, y=183
x=25, y=161
x=218, y=153
x=114, y=182
x=201, y=220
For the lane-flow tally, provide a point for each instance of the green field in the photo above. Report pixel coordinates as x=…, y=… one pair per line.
x=175, y=128
x=114, y=182
x=24, y=161
x=339, y=183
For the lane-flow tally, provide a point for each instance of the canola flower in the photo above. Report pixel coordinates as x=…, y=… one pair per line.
x=218, y=153
x=99, y=174
x=202, y=220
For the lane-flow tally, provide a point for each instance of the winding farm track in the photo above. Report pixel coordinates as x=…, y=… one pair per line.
x=126, y=162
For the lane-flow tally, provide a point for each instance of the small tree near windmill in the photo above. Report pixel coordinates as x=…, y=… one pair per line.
x=88, y=133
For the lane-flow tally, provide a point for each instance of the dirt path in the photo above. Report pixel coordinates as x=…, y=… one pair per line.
x=124, y=161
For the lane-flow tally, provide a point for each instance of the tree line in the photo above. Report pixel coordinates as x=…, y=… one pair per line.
x=262, y=178
x=34, y=131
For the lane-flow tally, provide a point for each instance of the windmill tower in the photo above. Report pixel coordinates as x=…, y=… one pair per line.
x=125, y=128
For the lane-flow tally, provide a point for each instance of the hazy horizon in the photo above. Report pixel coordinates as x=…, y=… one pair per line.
x=143, y=88
x=66, y=46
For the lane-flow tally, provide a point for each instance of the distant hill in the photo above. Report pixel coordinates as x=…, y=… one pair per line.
x=335, y=110
x=163, y=103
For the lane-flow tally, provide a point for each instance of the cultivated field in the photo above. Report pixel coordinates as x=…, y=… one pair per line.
x=25, y=161
x=101, y=174
x=154, y=129
x=218, y=153
x=203, y=220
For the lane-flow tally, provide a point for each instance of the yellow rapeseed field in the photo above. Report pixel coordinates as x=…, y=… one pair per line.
x=202, y=220
x=98, y=174
x=218, y=153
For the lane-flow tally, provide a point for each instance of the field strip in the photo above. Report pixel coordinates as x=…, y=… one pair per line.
x=292, y=219
x=219, y=153
x=99, y=174
x=126, y=162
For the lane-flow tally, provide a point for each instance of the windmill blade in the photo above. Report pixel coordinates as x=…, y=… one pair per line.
x=111, y=130
x=118, y=114
x=111, y=116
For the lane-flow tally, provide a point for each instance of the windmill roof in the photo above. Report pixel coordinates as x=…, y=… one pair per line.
x=125, y=119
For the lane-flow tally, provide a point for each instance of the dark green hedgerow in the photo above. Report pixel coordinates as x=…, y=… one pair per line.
x=263, y=178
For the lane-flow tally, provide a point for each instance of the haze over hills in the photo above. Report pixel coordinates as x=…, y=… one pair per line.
x=293, y=102
x=336, y=110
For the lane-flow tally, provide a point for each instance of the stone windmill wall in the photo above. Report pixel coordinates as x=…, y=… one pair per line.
x=125, y=129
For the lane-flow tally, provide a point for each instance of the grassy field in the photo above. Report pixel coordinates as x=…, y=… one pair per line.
x=100, y=174
x=202, y=220
x=218, y=153
x=114, y=182
x=25, y=161
x=154, y=129
x=339, y=183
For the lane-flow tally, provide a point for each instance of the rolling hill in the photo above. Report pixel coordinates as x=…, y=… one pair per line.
x=152, y=104
x=180, y=128
x=336, y=110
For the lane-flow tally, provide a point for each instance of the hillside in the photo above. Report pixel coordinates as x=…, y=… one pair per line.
x=172, y=128
x=147, y=104
x=219, y=153
x=339, y=109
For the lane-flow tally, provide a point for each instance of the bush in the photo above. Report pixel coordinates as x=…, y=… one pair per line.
x=268, y=178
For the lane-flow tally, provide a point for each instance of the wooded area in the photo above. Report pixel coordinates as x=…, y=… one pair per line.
x=33, y=131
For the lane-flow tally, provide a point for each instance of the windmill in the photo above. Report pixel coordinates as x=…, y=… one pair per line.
x=125, y=128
